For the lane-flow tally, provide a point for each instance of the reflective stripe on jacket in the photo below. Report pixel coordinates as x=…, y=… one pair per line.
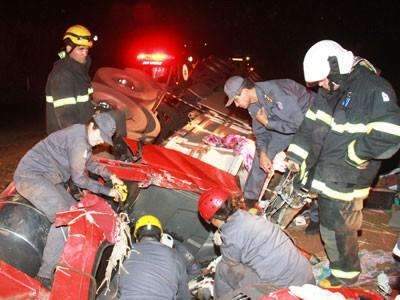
x=345, y=135
x=68, y=93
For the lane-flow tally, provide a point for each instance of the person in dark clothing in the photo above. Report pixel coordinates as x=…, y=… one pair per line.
x=277, y=108
x=253, y=249
x=44, y=170
x=353, y=124
x=69, y=89
x=155, y=271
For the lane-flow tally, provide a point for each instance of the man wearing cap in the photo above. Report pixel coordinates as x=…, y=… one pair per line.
x=277, y=108
x=64, y=155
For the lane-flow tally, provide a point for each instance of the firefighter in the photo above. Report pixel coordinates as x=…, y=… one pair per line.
x=42, y=173
x=277, y=108
x=352, y=125
x=253, y=249
x=69, y=89
x=154, y=271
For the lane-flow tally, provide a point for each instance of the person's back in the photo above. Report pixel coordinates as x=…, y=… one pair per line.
x=154, y=272
x=50, y=156
x=262, y=246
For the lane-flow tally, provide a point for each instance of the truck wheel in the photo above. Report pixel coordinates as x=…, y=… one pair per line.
x=132, y=83
x=151, y=131
x=136, y=119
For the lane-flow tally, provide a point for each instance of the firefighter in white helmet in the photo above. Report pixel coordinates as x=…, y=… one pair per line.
x=353, y=124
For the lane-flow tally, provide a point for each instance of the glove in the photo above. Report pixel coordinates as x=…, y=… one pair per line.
x=122, y=191
x=119, y=192
x=115, y=180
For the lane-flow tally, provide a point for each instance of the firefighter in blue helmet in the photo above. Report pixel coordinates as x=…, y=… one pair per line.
x=277, y=108
x=154, y=271
x=253, y=249
x=44, y=170
x=352, y=125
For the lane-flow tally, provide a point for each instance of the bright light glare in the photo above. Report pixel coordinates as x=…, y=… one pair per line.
x=158, y=56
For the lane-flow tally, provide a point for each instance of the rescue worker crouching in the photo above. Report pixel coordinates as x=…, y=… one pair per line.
x=353, y=124
x=69, y=89
x=63, y=155
x=253, y=249
x=154, y=271
x=277, y=108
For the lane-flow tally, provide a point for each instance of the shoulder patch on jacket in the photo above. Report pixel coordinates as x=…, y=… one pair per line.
x=385, y=97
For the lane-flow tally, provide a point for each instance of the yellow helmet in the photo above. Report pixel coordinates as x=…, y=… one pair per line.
x=148, y=225
x=79, y=35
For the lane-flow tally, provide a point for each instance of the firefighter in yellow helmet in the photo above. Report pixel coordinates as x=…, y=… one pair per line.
x=69, y=90
x=155, y=271
x=79, y=35
x=68, y=85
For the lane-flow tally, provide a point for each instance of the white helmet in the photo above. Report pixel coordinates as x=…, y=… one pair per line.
x=316, y=65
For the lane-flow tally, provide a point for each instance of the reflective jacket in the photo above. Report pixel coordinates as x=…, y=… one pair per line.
x=155, y=272
x=63, y=155
x=68, y=92
x=285, y=102
x=345, y=134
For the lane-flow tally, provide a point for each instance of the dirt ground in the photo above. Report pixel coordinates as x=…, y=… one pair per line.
x=18, y=135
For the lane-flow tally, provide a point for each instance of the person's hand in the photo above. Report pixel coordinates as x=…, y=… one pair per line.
x=114, y=194
x=292, y=166
x=279, y=162
x=115, y=180
x=262, y=116
x=265, y=162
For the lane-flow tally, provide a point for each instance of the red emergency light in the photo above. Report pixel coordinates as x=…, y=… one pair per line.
x=157, y=58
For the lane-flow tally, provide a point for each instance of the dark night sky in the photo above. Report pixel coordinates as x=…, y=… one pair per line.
x=275, y=33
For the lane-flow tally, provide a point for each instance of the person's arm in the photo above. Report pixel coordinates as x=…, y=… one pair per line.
x=382, y=139
x=61, y=95
x=301, y=144
x=99, y=169
x=78, y=155
x=262, y=135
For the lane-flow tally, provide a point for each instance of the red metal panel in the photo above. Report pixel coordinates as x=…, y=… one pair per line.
x=15, y=284
x=91, y=222
x=171, y=169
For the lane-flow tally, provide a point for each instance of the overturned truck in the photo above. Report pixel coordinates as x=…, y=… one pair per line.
x=169, y=128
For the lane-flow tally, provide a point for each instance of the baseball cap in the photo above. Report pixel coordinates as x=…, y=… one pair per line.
x=232, y=88
x=107, y=126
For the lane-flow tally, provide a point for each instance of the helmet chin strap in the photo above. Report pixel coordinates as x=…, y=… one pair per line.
x=335, y=78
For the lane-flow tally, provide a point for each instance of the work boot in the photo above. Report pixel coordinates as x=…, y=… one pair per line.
x=312, y=228
x=336, y=282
